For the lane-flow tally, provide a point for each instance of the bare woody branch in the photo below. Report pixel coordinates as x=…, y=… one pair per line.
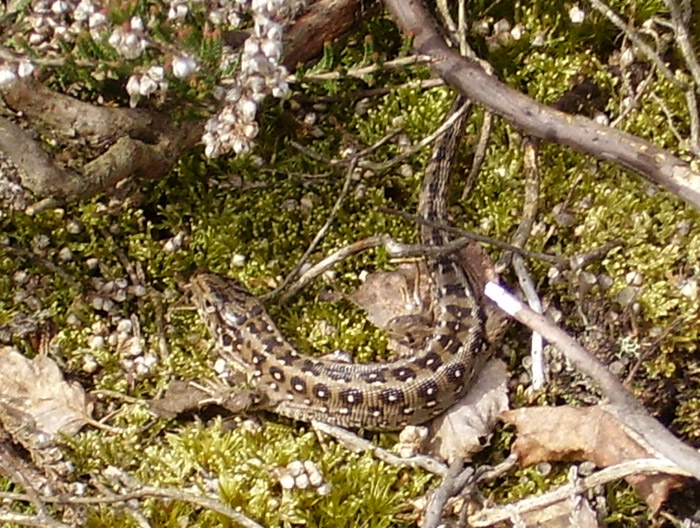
x=581, y=134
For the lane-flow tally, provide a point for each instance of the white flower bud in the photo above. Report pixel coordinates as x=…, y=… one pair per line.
x=25, y=68
x=136, y=23
x=184, y=66
x=7, y=76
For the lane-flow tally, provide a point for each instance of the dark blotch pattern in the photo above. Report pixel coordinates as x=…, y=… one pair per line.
x=277, y=374
x=311, y=367
x=298, y=384
x=403, y=373
x=392, y=397
x=452, y=289
x=351, y=397
x=321, y=391
x=374, y=376
x=339, y=374
x=431, y=360
x=257, y=310
x=428, y=390
x=289, y=357
x=456, y=373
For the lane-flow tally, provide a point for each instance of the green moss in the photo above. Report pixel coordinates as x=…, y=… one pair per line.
x=268, y=206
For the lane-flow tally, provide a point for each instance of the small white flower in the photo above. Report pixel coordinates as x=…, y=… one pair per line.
x=272, y=49
x=576, y=15
x=133, y=85
x=157, y=73
x=233, y=95
x=133, y=88
x=115, y=39
x=256, y=83
x=626, y=57
x=184, y=66
x=131, y=41
x=212, y=149
x=240, y=146
x=251, y=131
x=59, y=7
x=136, y=23
x=7, y=76
x=216, y=16
x=83, y=10
x=147, y=86
x=25, y=68
x=281, y=90
x=247, y=108
x=251, y=46
x=97, y=21
x=35, y=39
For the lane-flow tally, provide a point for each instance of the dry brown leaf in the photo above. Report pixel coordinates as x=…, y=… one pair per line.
x=575, y=434
x=34, y=395
x=463, y=429
x=386, y=295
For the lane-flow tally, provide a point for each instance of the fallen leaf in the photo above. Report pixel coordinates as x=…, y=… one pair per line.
x=465, y=427
x=35, y=390
x=575, y=434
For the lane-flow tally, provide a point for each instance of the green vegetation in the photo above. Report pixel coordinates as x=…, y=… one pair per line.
x=268, y=206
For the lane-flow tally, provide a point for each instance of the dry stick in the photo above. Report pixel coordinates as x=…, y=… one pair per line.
x=444, y=127
x=551, y=259
x=330, y=261
x=357, y=444
x=395, y=250
x=634, y=103
x=41, y=261
x=520, y=238
x=642, y=46
x=453, y=482
x=40, y=521
x=456, y=480
x=321, y=232
x=399, y=250
x=680, y=28
x=401, y=62
x=145, y=492
x=488, y=517
x=623, y=405
x=536, y=119
x=479, y=153
x=683, y=42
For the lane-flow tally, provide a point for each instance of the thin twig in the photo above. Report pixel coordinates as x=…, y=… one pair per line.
x=491, y=516
x=479, y=153
x=552, y=259
x=682, y=40
x=395, y=249
x=357, y=444
x=40, y=521
x=41, y=261
x=642, y=46
x=401, y=62
x=623, y=405
x=321, y=232
x=142, y=493
x=453, y=483
x=539, y=376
